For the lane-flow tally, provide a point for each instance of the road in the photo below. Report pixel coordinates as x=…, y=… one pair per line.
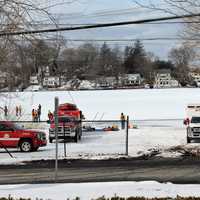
x=175, y=170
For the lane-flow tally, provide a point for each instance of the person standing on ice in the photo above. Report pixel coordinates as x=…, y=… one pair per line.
x=39, y=112
x=122, y=118
x=33, y=115
x=20, y=110
x=50, y=116
x=17, y=110
x=5, y=111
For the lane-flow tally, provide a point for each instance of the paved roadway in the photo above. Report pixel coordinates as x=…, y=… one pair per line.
x=176, y=170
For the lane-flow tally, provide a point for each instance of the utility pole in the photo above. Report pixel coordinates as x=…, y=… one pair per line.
x=127, y=129
x=56, y=136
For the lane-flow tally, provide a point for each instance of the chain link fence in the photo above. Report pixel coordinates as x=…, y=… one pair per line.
x=75, y=139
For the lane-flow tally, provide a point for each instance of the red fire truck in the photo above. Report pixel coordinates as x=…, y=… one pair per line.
x=14, y=136
x=69, y=123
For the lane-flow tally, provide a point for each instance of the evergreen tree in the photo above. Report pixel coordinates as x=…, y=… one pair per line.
x=135, y=58
x=104, y=60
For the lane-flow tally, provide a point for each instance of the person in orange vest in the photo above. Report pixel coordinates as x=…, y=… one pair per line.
x=50, y=115
x=33, y=115
x=36, y=115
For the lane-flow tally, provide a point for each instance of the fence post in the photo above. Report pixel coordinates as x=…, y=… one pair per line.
x=65, y=151
x=80, y=123
x=127, y=129
x=56, y=136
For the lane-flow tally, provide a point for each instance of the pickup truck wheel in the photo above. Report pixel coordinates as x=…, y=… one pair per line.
x=188, y=140
x=26, y=146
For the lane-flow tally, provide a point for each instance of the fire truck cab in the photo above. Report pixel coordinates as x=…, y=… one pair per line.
x=69, y=123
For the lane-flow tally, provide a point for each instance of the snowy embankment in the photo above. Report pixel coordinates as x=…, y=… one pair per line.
x=87, y=191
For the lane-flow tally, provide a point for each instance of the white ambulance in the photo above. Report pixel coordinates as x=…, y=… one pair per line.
x=192, y=122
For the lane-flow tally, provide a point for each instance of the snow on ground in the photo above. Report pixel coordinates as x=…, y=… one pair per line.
x=99, y=145
x=159, y=135
x=33, y=88
x=87, y=191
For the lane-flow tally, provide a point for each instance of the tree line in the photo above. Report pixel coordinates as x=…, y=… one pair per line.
x=90, y=61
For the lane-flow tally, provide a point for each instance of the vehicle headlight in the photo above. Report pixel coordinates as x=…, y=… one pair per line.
x=41, y=136
x=189, y=130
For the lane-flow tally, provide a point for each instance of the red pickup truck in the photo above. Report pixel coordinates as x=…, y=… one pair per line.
x=14, y=136
x=69, y=125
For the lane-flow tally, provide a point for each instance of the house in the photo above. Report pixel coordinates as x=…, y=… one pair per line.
x=106, y=82
x=33, y=80
x=47, y=71
x=195, y=76
x=132, y=80
x=163, y=79
x=51, y=81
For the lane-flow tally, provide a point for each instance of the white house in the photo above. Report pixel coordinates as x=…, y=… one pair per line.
x=106, y=82
x=163, y=79
x=132, y=80
x=33, y=80
x=196, y=77
x=47, y=71
x=51, y=81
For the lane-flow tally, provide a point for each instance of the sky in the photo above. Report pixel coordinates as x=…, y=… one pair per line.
x=108, y=11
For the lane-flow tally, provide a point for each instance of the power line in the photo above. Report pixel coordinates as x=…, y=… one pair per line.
x=120, y=40
x=97, y=25
x=129, y=40
x=86, y=24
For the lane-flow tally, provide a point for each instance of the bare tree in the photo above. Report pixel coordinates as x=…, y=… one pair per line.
x=177, y=7
x=22, y=15
x=181, y=58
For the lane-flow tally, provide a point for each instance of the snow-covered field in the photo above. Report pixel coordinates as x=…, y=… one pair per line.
x=88, y=191
x=138, y=103
x=161, y=136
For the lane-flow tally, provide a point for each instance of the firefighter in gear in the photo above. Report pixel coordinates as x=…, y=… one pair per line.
x=123, y=119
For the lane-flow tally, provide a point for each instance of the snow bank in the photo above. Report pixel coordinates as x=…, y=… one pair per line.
x=88, y=191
